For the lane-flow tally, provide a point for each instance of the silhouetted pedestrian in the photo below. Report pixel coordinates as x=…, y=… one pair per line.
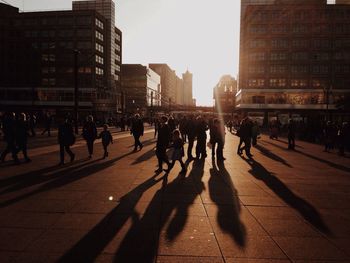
x=107, y=138
x=21, y=136
x=329, y=136
x=291, y=134
x=217, y=137
x=137, y=131
x=32, y=124
x=255, y=133
x=90, y=134
x=178, y=151
x=66, y=139
x=8, y=128
x=201, y=131
x=191, y=133
x=162, y=144
x=183, y=128
x=245, y=133
x=48, y=123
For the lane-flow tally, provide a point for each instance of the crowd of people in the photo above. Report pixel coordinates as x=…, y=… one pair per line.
x=171, y=133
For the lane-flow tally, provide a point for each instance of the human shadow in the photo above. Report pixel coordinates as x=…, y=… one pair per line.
x=271, y=155
x=224, y=195
x=305, y=209
x=145, y=142
x=144, y=157
x=296, y=146
x=331, y=164
x=136, y=234
x=59, y=179
x=93, y=243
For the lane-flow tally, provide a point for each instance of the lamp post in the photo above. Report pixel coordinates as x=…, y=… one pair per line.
x=326, y=91
x=76, y=90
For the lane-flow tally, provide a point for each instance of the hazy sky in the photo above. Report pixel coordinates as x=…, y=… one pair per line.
x=199, y=35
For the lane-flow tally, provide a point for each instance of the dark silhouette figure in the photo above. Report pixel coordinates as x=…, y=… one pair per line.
x=21, y=134
x=291, y=135
x=107, y=138
x=245, y=134
x=217, y=137
x=32, y=124
x=191, y=133
x=306, y=210
x=90, y=134
x=48, y=123
x=66, y=138
x=201, y=132
x=8, y=128
x=178, y=152
x=137, y=130
x=183, y=128
x=162, y=144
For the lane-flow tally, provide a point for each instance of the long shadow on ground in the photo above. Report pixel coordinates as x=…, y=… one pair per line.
x=136, y=234
x=271, y=155
x=59, y=178
x=305, y=209
x=224, y=194
x=331, y=164
x=93, y=243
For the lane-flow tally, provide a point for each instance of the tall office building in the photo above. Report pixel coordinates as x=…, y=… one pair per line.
x=188, y=88
x=294, y=57
x=225, y=94
x=37, y=74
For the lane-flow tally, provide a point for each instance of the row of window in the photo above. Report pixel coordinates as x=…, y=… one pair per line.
x=79, y=20
x=59, y=33
x=295, y=83
x=99, y=71
x=298, y=43
x=298, y=29
x=263, y=15
x=279, y=56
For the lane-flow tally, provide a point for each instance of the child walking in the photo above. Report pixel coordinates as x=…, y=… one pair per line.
x=178, y=152
x=107, y=138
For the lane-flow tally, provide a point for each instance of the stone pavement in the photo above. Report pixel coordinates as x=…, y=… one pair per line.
x=280, y=206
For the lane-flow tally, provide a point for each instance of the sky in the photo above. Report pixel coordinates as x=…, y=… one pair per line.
x=201, y=36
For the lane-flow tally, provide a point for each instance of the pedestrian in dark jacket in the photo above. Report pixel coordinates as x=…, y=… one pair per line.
x=183, y=128
x=90, y=134
x=178, y=152
x=201, y=133
x=191, y=133
x=162, y=144
x=107, y=138
x=48, y=123
x=137, y=131
x=32, y=124
x=21, y=134
x=217, y=138
x=8, y=128
x=66, y=138
x=245, y=134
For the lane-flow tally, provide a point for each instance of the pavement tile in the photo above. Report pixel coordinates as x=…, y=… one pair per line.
x=273, y=212
x=255, y=260
x=186, y=259
x=260, y=247
x=309, y=248
x=37, y=257
x=77, y=221
x=261, y=201
x=17, y=239
x=29, y=220
x=343, y=244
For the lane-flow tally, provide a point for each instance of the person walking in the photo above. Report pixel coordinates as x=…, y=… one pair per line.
x=178, y=152
x=8, y=128
x=162, y=144
x=183, y=128
x=291, y=134
x=202, y=128
x=191, y=134
x=137, y=131
x=66, y=139
x=156, y=127
x=217, y=137
x=90, y=134
x=107, y=138
x=245, y=133
x=255, y=133
x=48, y=123
x=21, y=136
x=32, y=124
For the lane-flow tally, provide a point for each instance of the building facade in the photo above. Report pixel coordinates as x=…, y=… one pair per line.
x=225, y=94
x=46, y=49
x=188, y=88
x=179, y=91
x=294, y=56
x=141, y=86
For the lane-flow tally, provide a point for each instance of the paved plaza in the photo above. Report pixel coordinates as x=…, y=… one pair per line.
x=281, y=206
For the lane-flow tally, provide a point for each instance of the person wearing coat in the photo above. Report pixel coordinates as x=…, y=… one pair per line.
x=66, y=138
x=8, y=128
x=137, y=130
x=90, y=134
x=163, y=141
x=21, y=136
x=201, y=131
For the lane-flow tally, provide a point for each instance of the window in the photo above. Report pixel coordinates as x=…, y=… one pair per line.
x=258, y=99
x=117, y=59
x=299, y=69
x=321, y=43
x=84, y=45
x=279, y=43
x=65, y=33
x=117, y=47
x=300, y=29
x=84, y=20
x=277, y=69
x=99, y=71
x=258, y=29
x=65, y=21
x=99, y=47
x=321, y=56
x=98, y=23
x=277, y=82
x=300, y=56
x=99, y=59
x=99, y=35
x=260, y=43
x=255, y=83
x=257, y=69
x=257, y=56
x=118, y=68
x=278, y=56
x=117, y=37
x=279, y=29
x=323, y=69
x=298, y=83
x=300, y=43
x=84, y=33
